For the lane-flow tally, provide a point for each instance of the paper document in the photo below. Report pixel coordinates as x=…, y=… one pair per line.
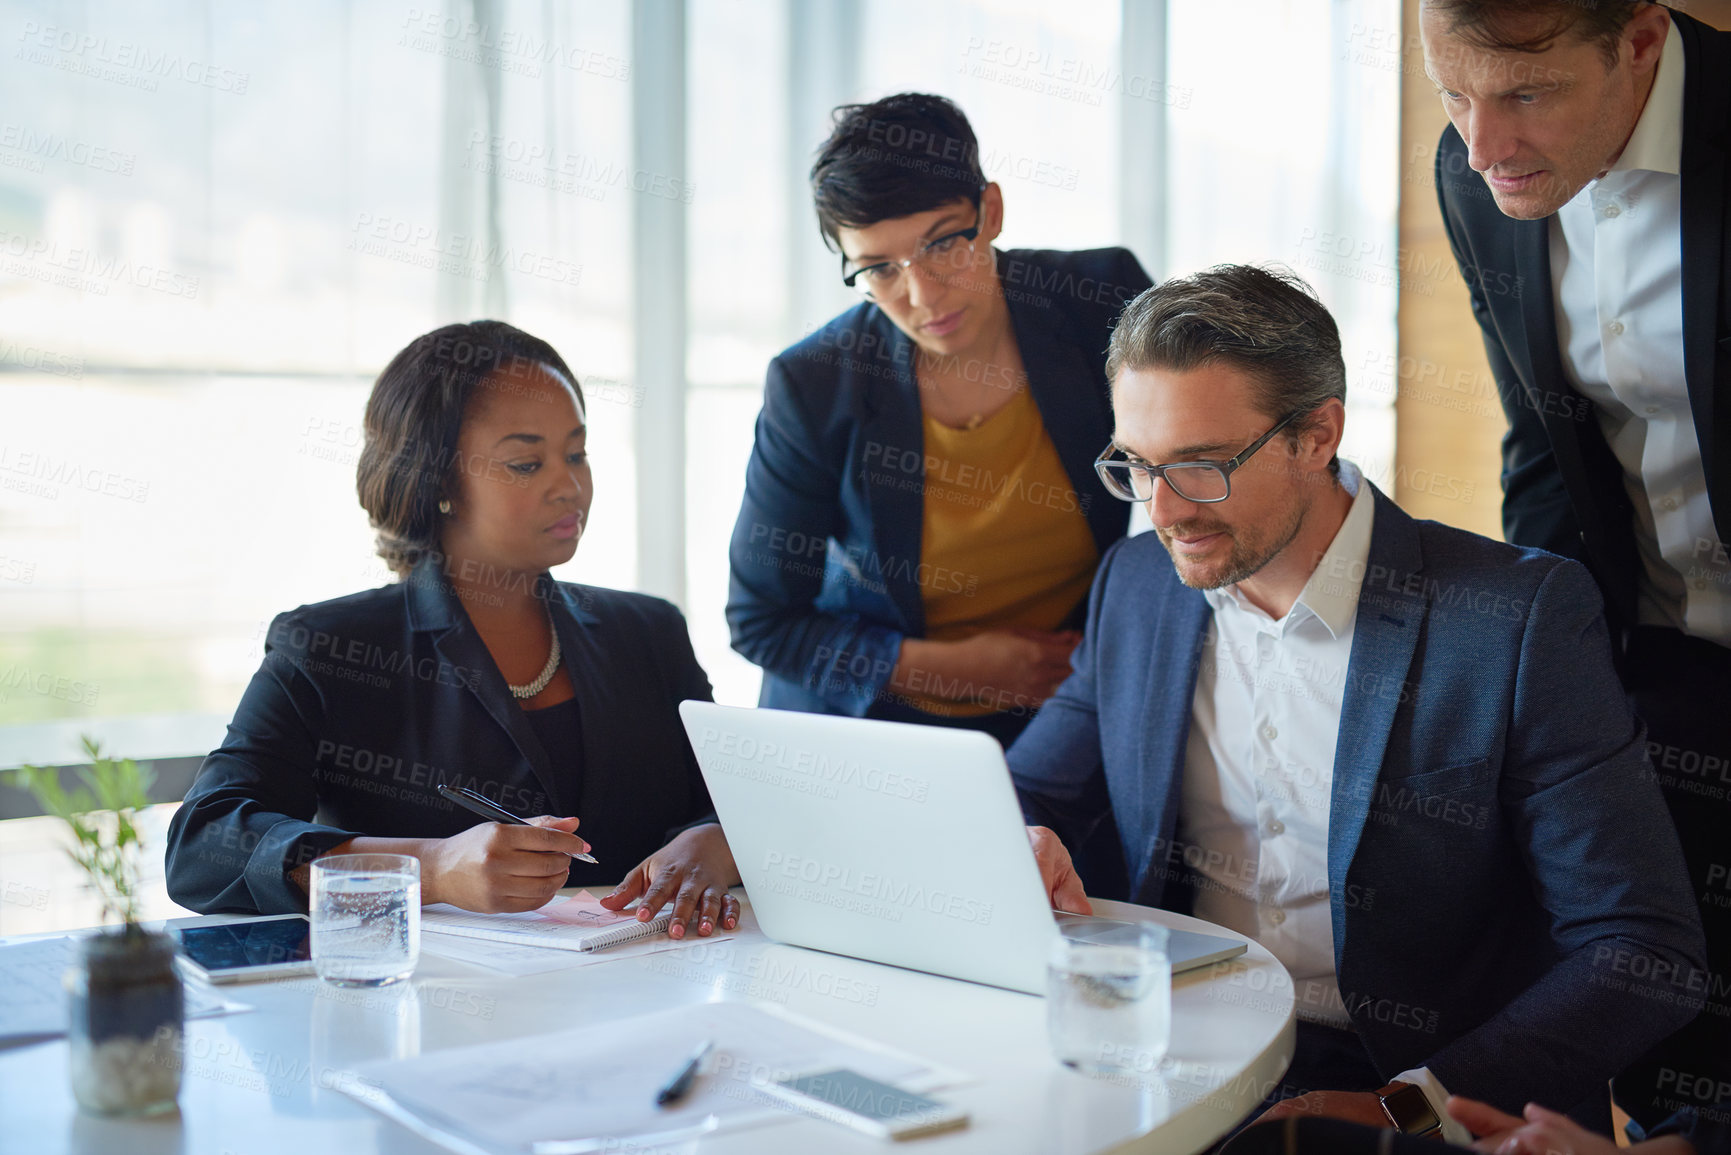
x=577, y=923
x=33, y=1002
x=583, y=1089
x=519, y=959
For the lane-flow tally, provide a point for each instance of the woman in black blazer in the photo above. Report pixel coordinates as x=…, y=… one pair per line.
x=476, y=670
x=844, y=588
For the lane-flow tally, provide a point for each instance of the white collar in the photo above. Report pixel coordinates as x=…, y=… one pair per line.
x=1331, y=593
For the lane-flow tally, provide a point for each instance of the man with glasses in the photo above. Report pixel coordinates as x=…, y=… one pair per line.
x=921, y=519
x=1393, y=752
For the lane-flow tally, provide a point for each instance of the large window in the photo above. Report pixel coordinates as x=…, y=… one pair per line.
x=217, y=222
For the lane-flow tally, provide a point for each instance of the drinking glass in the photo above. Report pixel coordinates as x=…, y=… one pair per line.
x=366, y=915
x=1109, y=999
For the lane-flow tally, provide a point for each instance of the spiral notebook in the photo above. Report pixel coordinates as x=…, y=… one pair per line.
x=578, y=923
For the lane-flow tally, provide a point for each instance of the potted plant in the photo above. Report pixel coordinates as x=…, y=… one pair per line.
x=125, y=1001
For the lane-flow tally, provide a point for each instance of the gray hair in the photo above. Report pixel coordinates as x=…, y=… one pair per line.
x=1265, y=321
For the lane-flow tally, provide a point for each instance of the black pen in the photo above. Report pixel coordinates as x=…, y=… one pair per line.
x=487, y=808
x=680, y=1085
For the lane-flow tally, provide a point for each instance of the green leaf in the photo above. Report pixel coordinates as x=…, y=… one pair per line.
x=105, y=849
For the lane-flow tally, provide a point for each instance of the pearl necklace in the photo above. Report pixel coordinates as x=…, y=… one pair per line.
x=546, y=675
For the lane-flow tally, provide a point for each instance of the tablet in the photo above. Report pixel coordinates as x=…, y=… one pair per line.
x=253, y=948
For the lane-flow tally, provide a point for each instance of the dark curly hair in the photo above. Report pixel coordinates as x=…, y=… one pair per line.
x=409, y=455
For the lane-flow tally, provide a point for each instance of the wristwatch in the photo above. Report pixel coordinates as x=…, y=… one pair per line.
x=1409, y=1110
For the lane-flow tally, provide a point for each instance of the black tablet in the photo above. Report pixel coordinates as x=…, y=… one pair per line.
x=254, y=948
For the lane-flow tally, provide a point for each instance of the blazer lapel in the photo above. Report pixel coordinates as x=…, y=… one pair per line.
x=1390, y=616
x=434, y=607
x=1707, y=269
x=1180, y=628
x=1549, y=392
x=893, y=424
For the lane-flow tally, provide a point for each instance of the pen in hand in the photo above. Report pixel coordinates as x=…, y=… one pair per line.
x=487, y=808
x=680, y=1085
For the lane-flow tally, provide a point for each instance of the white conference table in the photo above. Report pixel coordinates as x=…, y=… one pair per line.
x=258, y=1083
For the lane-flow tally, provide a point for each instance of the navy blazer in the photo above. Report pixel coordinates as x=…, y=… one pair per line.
x=825, y=555
x=366, y=703
x=1504, y=878
x=1562, y=486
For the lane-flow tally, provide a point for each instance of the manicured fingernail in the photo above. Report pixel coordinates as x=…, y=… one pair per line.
x=732, y=922
x=677, y=930
x=705, y=927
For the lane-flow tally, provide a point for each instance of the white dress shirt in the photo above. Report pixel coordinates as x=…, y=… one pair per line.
x=1617, y=285
x=1259, y=770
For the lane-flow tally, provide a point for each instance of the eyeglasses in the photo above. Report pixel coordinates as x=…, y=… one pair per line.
x=885, y=280
x=1201, y=482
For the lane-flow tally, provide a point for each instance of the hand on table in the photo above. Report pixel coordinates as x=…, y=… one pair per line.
x=1354, y=1106
x=1063, y=887
x=693, y=872
x=497, y=868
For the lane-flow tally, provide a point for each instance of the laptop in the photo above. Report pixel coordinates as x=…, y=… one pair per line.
x=892, y=842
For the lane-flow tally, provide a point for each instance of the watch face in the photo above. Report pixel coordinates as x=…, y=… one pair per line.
x=1410, y=1111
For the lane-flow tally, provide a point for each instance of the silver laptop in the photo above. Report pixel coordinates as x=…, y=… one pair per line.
x=891, y=842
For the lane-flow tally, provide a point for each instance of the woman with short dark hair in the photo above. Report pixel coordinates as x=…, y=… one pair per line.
x=921, y=520
x=475, y=670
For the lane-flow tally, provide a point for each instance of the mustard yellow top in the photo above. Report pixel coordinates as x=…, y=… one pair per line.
x=1005, y=540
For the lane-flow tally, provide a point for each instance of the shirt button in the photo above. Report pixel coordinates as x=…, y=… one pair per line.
x=1652, y=409
x=1277, y=827
x=1700, y=584
x=1612, y=211
x=1668, y=504
x=1277, y=917
x=1270, y=732
x=1615, y=328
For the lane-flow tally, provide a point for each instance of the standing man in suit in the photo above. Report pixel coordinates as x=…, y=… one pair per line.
x=1393, y=752
x=1584, y=188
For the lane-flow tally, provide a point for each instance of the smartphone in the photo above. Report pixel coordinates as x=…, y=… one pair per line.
x=274, y=947
x=851, y=1099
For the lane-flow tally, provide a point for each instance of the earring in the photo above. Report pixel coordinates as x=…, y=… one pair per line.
x=445, y=506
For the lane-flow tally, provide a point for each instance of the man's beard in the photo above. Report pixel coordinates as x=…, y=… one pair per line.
x=1250, y=550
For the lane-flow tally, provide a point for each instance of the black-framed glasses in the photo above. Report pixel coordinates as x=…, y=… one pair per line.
x=1201, y=482
x=888, y=279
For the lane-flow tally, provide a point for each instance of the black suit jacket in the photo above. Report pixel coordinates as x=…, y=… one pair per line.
x=825, y=557
x=1562, y=487
x=366, y=703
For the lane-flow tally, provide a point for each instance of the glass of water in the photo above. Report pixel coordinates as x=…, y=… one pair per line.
x=1109, y=999
x=366, y=914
